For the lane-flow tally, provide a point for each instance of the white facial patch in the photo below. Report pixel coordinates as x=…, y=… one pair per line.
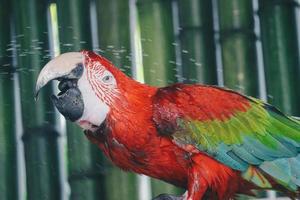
x=95, y=111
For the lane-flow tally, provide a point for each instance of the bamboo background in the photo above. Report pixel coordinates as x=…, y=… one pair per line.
x=248, y=45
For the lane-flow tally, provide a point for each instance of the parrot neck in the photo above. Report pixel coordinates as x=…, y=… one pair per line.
x=132, y=112
x=134, y=97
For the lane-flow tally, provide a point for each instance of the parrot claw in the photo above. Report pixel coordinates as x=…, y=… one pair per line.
x=167, y=197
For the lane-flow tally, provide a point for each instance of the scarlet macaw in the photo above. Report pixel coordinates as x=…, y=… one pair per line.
x=212, y=141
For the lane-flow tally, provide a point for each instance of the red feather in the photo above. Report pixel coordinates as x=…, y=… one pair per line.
x=130, y=135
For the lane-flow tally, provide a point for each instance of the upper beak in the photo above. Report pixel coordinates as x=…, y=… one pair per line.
x=60, y=66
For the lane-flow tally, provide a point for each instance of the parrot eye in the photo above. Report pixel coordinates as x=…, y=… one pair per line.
x=108, y=78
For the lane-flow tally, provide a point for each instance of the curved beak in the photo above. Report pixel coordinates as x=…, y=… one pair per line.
x=59, y=67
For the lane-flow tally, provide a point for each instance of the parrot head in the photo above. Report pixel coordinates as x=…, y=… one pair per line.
x=88, y=84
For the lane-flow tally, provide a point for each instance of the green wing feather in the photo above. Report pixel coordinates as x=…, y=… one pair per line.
x=262, y=136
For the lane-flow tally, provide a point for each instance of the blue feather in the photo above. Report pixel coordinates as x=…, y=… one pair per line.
x=222, y=155
x=285, y=170
x=240, y=151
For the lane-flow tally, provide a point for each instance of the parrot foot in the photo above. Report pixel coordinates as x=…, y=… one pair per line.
x=168, y=197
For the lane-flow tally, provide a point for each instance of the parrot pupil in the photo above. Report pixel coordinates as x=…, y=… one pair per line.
x=107, y=78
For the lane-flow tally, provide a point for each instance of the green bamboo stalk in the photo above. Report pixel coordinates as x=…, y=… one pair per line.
x=281, y=53
x=157, y=38
x=84, y=159
x=40, y=138
x=8, y=162
x=114, y=44
x=238, y=46
x=114, y=34
x=84, y=166
x=197, y=41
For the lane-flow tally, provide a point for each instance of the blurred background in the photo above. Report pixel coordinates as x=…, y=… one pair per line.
x=251, y=46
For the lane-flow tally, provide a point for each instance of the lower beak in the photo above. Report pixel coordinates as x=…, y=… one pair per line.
x=69, y=103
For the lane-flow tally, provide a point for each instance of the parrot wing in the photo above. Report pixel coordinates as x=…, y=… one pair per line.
x=236, y=130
